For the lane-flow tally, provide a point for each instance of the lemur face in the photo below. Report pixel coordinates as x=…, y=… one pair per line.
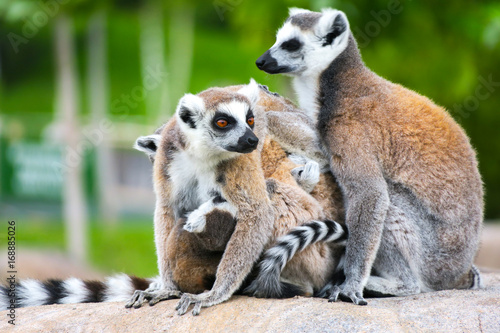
x=307, y=43
x=218, y=123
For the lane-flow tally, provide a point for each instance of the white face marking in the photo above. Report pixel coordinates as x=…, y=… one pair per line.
x=205, y=142
x=313, y=57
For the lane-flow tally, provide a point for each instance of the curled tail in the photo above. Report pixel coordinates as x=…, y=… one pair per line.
x=267, y=283
x=34, y=292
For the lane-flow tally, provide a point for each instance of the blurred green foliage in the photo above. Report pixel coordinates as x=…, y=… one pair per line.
x=127, y=248
x=444, y=50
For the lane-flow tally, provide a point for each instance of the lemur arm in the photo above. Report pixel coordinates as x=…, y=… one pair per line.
x=295, y=132
x=252, y=232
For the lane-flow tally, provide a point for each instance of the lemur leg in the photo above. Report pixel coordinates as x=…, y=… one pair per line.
x=396, y=273
x=396, y=279
x=393, y=264
x=307, y=176
x=296, y=133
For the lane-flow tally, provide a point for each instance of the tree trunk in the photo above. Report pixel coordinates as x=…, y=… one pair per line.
x=180, y=55
x=97, y=84
x=152, y=58
x=67, y=108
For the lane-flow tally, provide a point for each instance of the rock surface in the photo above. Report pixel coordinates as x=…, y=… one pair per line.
x=443, y=311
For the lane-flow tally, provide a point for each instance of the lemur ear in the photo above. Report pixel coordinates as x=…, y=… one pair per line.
x=189, y=109
x=148, y=144
x=251, y=91
x=294, y=11
x=332, y=24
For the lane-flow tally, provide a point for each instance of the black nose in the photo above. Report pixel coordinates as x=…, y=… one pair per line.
x=253, y=141
x=261, y=62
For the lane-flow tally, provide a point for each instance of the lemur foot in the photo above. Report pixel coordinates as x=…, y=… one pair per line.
x=204, y=300
x=307, y=176
x=346, y=291
x=153, y=296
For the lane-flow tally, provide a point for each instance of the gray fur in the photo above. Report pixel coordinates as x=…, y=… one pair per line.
x=305, y=21
x=413, y=206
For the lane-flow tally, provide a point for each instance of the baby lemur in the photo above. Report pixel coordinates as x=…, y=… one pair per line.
x=407, y=171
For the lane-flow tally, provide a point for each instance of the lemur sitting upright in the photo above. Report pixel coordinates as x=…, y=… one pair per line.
x=196, y=161
x=413, y=193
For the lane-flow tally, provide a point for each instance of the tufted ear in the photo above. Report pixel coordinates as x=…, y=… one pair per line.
x=294, y=11
x=148, y=144
x=190, y=109
x=251, y=91
x=332, y=24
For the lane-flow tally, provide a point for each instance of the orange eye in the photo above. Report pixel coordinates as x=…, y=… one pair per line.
x=222, y=123
x=250, y=121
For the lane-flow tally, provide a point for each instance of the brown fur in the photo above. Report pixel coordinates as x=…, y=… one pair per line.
x=381, y=135
x=262, y=216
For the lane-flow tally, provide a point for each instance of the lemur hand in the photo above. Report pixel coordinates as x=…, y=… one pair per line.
x=154, y=294
x=307, y=176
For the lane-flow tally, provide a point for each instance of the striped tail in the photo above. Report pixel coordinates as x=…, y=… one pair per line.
x=117, y=288
x=267, y=283
x=477, y=282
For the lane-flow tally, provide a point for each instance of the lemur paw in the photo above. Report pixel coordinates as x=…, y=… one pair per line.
x=345, y=291
x=307, y=176
x=153, y=296
x=196, y=221
x=204, y=300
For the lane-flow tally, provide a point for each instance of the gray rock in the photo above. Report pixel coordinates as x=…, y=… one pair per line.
x=443, y=311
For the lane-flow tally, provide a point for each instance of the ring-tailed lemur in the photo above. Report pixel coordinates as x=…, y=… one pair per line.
x=265, y=209
x=414, y=196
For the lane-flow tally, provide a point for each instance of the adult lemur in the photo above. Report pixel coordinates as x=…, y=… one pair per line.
x=198, y=166
x=409, y=176
x=203, y=181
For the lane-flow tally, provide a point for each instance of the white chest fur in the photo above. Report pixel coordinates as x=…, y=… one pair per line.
x=307, y=90
x=192, y=179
